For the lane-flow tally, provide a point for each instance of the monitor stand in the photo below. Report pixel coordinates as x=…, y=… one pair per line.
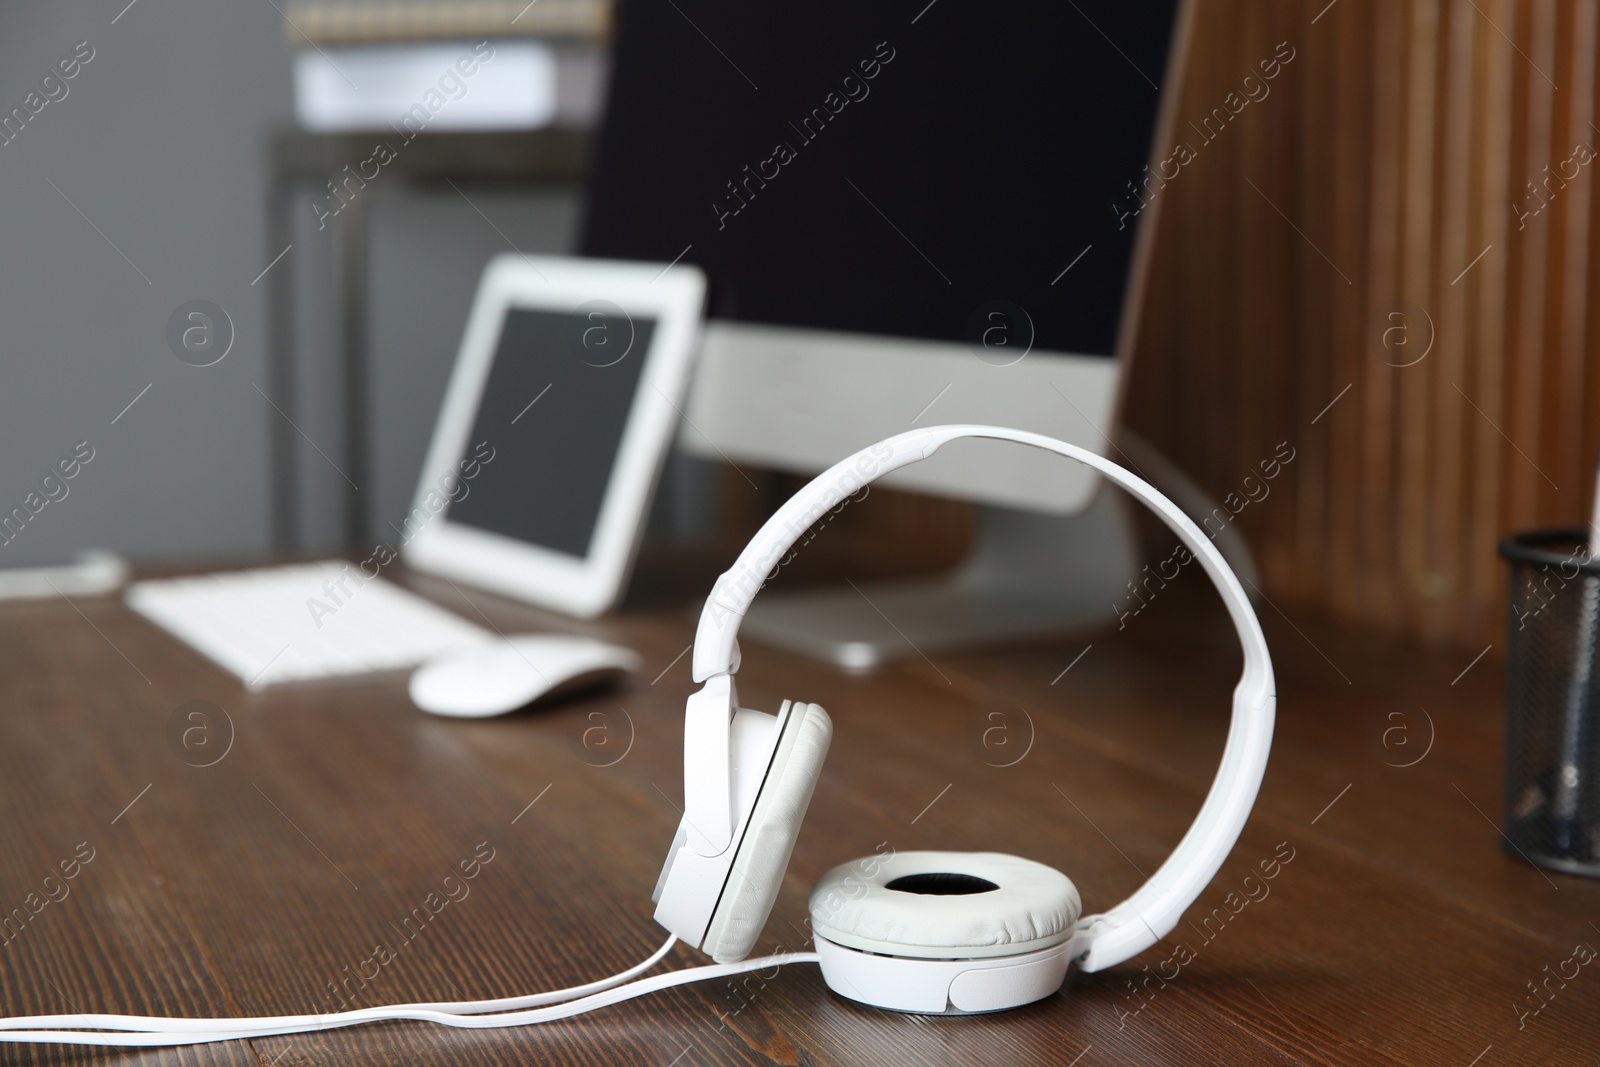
x=1029, y=575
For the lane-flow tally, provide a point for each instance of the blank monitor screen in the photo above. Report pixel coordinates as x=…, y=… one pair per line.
x=894, y=168
x=554, y=410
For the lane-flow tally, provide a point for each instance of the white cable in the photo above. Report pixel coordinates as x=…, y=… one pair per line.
x=460, y=1007
x=161, y=1032
x=533, y=1000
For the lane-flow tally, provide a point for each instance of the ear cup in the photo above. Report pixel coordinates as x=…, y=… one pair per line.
x=945, y=905
x=769, y=837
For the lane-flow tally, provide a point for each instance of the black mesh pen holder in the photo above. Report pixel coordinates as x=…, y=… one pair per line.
x=1553, y=702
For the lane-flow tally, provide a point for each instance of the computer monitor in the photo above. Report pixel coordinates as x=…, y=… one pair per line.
x=909, y=213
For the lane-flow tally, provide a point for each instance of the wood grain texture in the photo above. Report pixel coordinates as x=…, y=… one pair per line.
x=1401, y=165
x=1399, y=932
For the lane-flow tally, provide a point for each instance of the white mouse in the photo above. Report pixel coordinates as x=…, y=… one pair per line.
x=504, y=675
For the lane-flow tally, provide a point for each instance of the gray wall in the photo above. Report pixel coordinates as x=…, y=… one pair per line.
x=158, y=143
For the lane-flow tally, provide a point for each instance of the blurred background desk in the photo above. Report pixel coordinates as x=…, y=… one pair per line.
x=543, y=166
x=1398, y=932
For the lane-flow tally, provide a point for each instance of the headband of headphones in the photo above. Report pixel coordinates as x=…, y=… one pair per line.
x=1151, y=913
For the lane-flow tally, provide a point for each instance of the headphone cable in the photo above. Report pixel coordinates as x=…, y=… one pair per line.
x=157, y=1032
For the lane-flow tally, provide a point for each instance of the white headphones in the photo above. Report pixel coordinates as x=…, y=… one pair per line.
x=937, y=932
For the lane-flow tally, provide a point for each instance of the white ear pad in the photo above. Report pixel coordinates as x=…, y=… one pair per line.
x=769, y=837
x=943, y=908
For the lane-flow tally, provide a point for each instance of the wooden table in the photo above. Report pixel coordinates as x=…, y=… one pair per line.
x=1395, y=929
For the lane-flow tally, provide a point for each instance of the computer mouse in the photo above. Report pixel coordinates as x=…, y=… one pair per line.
x=504, y=675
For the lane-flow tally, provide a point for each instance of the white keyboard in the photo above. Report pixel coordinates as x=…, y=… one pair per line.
x=301, y=623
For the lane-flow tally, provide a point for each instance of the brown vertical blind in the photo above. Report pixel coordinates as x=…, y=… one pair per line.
x=1402, y=228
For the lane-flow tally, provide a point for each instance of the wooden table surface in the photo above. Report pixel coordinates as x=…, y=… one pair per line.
x=1395, y=928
